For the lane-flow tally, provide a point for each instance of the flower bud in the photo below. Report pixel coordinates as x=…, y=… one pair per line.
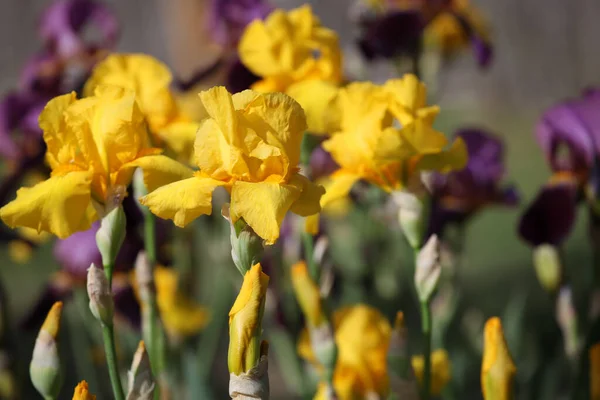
x=548, y=267
x=497, y=368
x=595, y=372
x=566, y=315
x=245, y=322
x=428, y=269
x=308, y=295
x=45, y=368
x=139, y=378
x=411, y=216
x=111, y=235
x=101, y=300
x=82, y=392
x=253, y=384
x=246, y=246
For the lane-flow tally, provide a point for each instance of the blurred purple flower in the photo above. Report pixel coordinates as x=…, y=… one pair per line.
x=321, y=163
x=229, y=18
x=550, y=218
x=66, y=25
x=19, y=111
x=459, y=195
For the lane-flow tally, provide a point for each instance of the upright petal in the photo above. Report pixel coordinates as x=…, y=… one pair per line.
x=60, y=140
x=263, y=206
x=182, y=201
x=58, y=205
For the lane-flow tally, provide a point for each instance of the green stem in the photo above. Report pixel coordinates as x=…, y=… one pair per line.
x=111, y=359
x=150, y=237
x=426, y=330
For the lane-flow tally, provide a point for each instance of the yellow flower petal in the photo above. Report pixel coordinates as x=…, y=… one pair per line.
x=440, y=370
x=409, y=100
x=179, y=136
x=61, y=142
x=497, y=367
x=308, y=202
x=308, y=294
x=182, y=201
x=57, y=205
x=338, y=186
x=453, y=159
x=316, y=98
x=263, y=206
x=82, y=392
x=160, y=170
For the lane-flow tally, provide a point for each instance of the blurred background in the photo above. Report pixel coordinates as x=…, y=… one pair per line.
x=545, y=51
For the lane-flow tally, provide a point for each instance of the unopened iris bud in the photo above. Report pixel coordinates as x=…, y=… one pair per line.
x=428, y=269
x=82, y=392
x=412, y=215
x=245, y=321
x=308, y=295
x=497, y=369
x=548, y=267
x=246, y=246
x=45, y=369
x=111, y=235
x=139, y=378
x=101, y=300
x=566, y=315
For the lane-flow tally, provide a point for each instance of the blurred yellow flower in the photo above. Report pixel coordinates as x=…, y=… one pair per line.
x=21, y=251
x=93, y=147
x=181, y=315
x=308, y=295
x=150, y=80
x=294, y=54
x=441, y=371
x=249, y=145
x=290, y=47
x=82, y=392
x=362, y=336
x=245, y=322
x=497, y=368
x=386, y=136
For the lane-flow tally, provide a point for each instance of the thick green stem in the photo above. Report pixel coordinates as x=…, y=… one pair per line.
x=111, y=359
x=426, y=330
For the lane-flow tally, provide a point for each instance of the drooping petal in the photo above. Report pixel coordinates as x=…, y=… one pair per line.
x=263, y=206
x=182, y=201
x=58, y=205
x=160, y=170
x=338, y=186
x=308, y=202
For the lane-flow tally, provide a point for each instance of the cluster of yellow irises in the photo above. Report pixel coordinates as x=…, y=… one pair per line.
x=249, y=144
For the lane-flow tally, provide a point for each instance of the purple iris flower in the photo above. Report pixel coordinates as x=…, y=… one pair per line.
x=229, y=18
x=459, y=195
x=569, y=135
x=66, y=23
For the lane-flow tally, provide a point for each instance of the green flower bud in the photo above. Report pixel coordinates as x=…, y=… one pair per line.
x=548, y=266
x=428, y=269
x=45, y=368
x=111, y=235
x=246, y=246
x=101, y=300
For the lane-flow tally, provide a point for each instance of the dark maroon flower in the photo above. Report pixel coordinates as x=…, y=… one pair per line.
x=229, y=18
x=239, y=77
x=550, y=218
x=459, y=195
x=19, y=111
x=66, y=27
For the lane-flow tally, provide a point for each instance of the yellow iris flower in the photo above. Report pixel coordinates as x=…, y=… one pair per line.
x=180, y=315
x=362, y=335
x=294, y=54
x=82, y=392
x=150, y=80
x=93, y=147
x=440, y=370
x=386, y=136
x=308, y=294
x=250, y=145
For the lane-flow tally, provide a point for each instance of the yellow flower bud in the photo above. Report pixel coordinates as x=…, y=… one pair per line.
x=497, y=369
x=307, y=293
x=45, y=367
x=441, y=370
x=82, y=392
x=245, y=322
x=595, y=372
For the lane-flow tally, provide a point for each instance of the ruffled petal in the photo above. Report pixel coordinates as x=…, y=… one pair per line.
x=309, y=201
x=58, y=205
x=160, y=170
x=315, y=97
x=263, y=206
x=61, y=141
x=182, y=201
